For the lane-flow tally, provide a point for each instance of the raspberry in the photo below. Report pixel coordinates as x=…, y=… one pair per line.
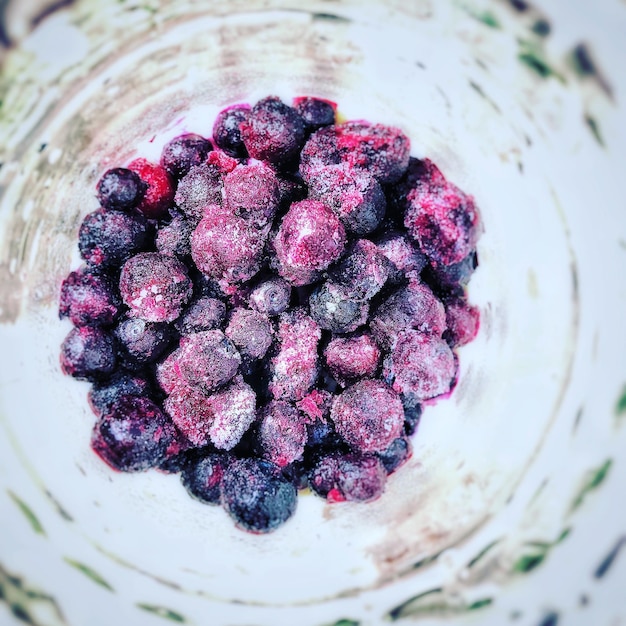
x=351, y=358
x=271, y=296
x=226, y=133
x=333, y=308
x=202, y=314
x=88, y=352
x=282, y=433
x=198, y=189
x=142, y=342
x=315, y=112
x=159, y=194
x=120, y=188
x=183, y=152
x=173, y=239
x=251, y=332
x=202, y=477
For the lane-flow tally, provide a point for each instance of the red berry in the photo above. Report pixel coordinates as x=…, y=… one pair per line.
x=160, y=190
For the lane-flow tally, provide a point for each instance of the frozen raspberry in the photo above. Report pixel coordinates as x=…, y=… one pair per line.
x=173, y=238
x=315, y=112
x=207, y=360
x=120, y=188
x=251, y=332
x=397, y=454
x=155, y=287
x=368, y=415
x=315, y=405
x=354, y=195
x=202, y=477
x=271, y=296
x=89, y=299
x=282, y=433
x=103, y=395
x=203, y=314
x=294, y=369
x=133, y=436
x=462, y=320
x=234, y=410
x=257, y=496
x=363, y=271
x=420, y=366
x=160, y=190
x=309, y=239
x=226, y=133
x=191, y=412
x=253, y=193
x=142, y=342
x=198, y=189
x=360, y=478
x=88, y=352
x=333, y=308
x=351, y=358
x=107, y=238
x=226, y=247
x=405, y=257
x=411, y=307
x=273, y=131
x=441, y=218
x=183, y=152
x=222, y=162
x=322, y=477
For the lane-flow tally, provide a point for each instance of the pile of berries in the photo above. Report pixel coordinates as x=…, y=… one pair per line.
x=267, y=310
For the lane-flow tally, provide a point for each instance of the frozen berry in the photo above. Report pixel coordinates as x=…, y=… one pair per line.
x=155, y=287
x=133, y=436
x=323, y=477
x=403, y=255
x=173, y=238
x=453, y=278
x=412, y=415
x=226, y=133
x=103, y=395
x=360, y=478
x=462, y=320
x=88, y=352
x=143, y=342
x=191, y=412
x=315, y=112
x=396, y=454
x=294, y=368
x=203, y=314
x=309, y=239
x=333, y=308
x=257, y=496
x=315, y=405
x=273, y=131
x=368, y=415
x=198, y=189
x=420, y=366
x=202, y=477
x=282, y=433
x=252, y=192
x=183, y=152
x=107, y=238
x=160, y=190
x=168, y=372
x=351, y=358
x=120, y=188
x=89, y=299
x=251, y=332
x=271, y=296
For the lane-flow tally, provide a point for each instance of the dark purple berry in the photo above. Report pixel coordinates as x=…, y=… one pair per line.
x=199, y=188
x=360, y=478
x=120, y=188
x=323, y=477
x=160, y=188
x=182, y=153
x=103, y=395
x=191, y=412
x=88, y=352
x=404, y=256
x=271, y=296
x=332, y=307
x=412, y=415
x=396, y=454
x=351, y=358
x=173, y=238
x=463, y=321
x=315, y=112
x=204, y=314
x=226, y=133
x=202, y=477
x=143, y=342
x=251, y=332
x=282, y=433
x=446, y=279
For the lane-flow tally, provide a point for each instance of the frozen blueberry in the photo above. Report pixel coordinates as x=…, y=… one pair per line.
x=108, y=238
x=120, y=188
x=412, y=415
x=332, y=307
x=273, y=131
x=257, y=496
x=89, y=299
x=104, y=394
x=462, y=320
x=420, y=366
x=200, y=187
x=351, y=358
x=368, y=415
x=191, y=412
x=282, y=433
x=396, y=454
x=142, y=342
x=451, y=279
x=160, y=189
x=173, y=238
x=88, y=352
x=404, y=256
x=315, y=112
x=271, y=296
x=226, y=133
x=155, y=287
x=133, y=436
x=251, y=332
x=360, y=478
x=202, y=477
x=183, y=152
x=323, y=477
x=203, y=314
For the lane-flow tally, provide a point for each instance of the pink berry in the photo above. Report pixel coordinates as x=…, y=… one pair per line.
x=351, y=358
x=159, y=195
x=462, y=320
x=168, y=372
x=316, y=405
x=282, y=433
x=405, y=257
x=191, y=412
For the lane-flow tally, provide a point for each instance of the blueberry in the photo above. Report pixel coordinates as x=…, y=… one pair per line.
x=412, y=415
x=282, y=433
x=173, y=239
x=142, y=342
x=251, y=332
x=103, y=395
x=333, y=309
x=120, y=188
x=88, y=352
x=323, y=476
x=257, y=496
x=205, y=313
x=396, y=454
x=271, y=296
x=200, y=187
x=315, y=112
x=350, y=358
x=183, y=152
x=226, y=133
x=360, y=478
x=202, y=476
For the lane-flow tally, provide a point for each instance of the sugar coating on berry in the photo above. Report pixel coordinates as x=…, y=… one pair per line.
x=405, y=257
x=368, y=415
x=234, y=410
x=203, y=314
x=271, y=296
x=441, y=218
x=88, y=298
x=133, y=436
x=354, y=195
x=200, y=187
x=108, y=238
x=251, y=332
x=309, y=239
x=282, y=433
x=227, y=247
x=141, y=341
x=295, y=366
x=272, y=131
x=120, y=188
x=335, y=309
x=103, y=394
x=253, y=193
x=155, y=287
x=257, y=496
x=360, y=478
x=173, y=238
x=202, y=477
x=160, y=189
x=88, y=352
x=315, y=112
x=351, y=358
x=420, y=366
x=168, y=372
x=191, y=412
x=411, y=307
x=183, y=152
x=462, y=320
x=226, y=133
